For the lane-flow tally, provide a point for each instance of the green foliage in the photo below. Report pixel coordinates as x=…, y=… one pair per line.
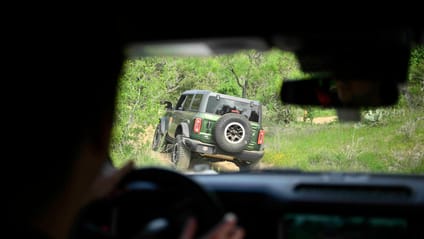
x=147, y=81
x=229, y=87
x=277, y=113
x=412, y=94
x=417, y=56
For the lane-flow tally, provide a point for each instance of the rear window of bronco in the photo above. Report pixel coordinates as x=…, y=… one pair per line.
x=223, y=106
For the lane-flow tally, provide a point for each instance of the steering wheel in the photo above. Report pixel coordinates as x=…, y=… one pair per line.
x=150, y=203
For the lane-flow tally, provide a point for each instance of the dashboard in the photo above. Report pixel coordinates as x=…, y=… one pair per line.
x=155, y=203
x=322, y=205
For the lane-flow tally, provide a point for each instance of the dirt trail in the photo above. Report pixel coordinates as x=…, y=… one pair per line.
x=324, y=120
x=225, y=166
x=231, y=167
x=320, y=120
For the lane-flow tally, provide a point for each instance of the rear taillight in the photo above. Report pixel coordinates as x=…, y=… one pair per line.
x=261, y=136
x=197, y=125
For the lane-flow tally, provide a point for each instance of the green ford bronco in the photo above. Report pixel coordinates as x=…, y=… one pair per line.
x=206, y=126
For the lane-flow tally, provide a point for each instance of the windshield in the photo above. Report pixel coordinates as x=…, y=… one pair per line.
x=384, y=139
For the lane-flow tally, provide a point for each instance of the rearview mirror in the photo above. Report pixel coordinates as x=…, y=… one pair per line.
x=339, y=93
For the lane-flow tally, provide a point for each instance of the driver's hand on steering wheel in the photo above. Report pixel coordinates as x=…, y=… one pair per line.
x=226, y=229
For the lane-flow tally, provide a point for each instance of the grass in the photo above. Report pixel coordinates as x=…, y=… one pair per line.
x=394, y=145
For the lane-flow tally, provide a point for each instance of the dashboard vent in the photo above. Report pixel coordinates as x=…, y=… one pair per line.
x=366, y=191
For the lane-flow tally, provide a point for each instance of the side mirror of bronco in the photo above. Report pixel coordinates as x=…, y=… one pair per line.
x=168, y=104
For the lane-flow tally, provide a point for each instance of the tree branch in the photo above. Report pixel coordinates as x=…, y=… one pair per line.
x=237, y=77
x=175, y=86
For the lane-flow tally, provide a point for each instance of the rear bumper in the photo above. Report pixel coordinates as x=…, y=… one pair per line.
x=212, y=151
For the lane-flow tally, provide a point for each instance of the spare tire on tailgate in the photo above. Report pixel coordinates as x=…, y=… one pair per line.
x=233, y=132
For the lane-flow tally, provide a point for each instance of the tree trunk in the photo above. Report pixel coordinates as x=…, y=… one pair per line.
x=243, y=94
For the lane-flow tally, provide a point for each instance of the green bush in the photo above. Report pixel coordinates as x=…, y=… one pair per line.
x=413, y=92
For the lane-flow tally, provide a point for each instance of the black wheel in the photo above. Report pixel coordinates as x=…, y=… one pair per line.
x=233, y=132
x=159, y=142
x=180, y=154
x=157, y=137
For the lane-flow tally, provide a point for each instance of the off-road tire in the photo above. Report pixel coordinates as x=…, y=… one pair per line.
x=180, y=154
x=160, y=143
x=232, y=132
x=157, y=139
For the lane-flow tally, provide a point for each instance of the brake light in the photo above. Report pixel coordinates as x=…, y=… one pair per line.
x=197, y=125
x=261, y=136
